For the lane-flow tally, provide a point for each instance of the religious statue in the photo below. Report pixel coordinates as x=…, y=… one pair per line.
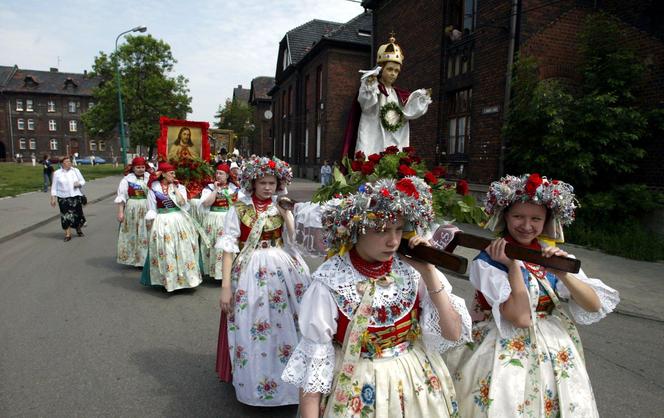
x=385, y=108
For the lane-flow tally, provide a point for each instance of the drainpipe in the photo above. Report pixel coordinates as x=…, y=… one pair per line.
x=508, y=81
x=11, y=126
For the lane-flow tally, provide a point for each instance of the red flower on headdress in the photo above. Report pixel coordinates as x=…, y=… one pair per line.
x=407, y=171
x=462, y=187
x=359, y=155
x=430, y=178
x=356, y=165
x=533, y=182
x=367, y=168
x=406, y=186
x=392, y=149
x=375, y=158
x=385, y=192
x=271, y=164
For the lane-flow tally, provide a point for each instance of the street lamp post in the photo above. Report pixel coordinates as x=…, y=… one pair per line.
x=123, y=140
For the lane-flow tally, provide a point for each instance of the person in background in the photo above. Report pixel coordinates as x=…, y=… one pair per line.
x=325, y=173
x=66, y=191
x=48, y=172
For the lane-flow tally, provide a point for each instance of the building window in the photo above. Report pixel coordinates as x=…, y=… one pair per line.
x=29, y=107
x=73, y=126
x=462, y=15
x=459, y=121
x=31, y=124
x=52, y=125
x=318, y=135
x=20, y=124
x=19, y=105
x=33, y=143
x=283, y=144
x=51, y=106
x=93, y=145
x=290, y=145
x=91, y=105
x=306, y=144
x=72, y=106
x=319, y=84
x=53, y=144
x=291, y=102
x=22, y=143
x=460, y=62
x=102, y=145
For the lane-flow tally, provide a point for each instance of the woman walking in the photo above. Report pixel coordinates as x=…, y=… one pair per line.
x=132, y=208
x=66, y=190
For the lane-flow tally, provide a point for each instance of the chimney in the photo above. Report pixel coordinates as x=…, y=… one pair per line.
x=85, y=73
x=54, y=70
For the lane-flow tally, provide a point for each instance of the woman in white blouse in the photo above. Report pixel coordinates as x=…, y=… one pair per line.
x=66, y=190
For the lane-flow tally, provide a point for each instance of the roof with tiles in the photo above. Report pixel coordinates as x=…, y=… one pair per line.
x=241, y=94
x=304, y=37
x=49, y=82
x=260, y=86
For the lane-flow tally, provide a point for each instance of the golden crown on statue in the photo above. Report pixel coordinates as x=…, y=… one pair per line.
x=390, y=52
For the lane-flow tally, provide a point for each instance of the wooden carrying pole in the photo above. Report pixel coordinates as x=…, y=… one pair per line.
x=434, y=256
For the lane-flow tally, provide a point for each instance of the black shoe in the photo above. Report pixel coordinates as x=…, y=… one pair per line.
x=68, y=238
x=79, y=232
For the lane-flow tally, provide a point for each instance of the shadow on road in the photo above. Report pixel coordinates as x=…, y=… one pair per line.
x=189, y=385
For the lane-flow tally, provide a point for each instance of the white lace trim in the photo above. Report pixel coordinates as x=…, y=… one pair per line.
x=340, y=276
x=311, y=367
x=608, y=297
x=430, y=321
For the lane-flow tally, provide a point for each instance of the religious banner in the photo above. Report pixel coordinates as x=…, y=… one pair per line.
x=183, y=139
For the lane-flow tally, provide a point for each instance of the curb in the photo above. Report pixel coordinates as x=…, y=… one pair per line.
x=47, y=220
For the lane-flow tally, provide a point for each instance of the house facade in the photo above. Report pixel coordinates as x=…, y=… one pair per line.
x=40, y=113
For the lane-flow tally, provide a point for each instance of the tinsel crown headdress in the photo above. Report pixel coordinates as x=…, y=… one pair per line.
x=555, y=195
x=258, y=167
x=374, y=206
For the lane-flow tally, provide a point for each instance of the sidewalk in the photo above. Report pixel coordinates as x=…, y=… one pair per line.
x=29, y=211
x=641, y=284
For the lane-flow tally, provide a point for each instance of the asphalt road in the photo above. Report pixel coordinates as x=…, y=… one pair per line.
x=80, y=337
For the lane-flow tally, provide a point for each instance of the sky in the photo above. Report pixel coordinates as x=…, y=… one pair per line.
x=218, y=44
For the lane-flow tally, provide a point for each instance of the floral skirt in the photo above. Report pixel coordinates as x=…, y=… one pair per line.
x=133, y=235
x=71, y=212
x=413, y=384
x=262, y=330
x=174, y=252
x=540, y=375
x=213, y=225
x=195, y=210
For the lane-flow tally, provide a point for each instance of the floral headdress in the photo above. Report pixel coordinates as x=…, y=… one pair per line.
x=555, y=195
x=258, y=167
x=373, y=207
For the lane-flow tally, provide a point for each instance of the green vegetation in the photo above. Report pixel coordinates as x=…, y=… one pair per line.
x=591, y=134
x=16, y=179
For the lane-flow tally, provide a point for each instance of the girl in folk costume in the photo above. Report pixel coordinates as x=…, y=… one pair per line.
x=173, y=255
x=526, y=357
x=216, y=200
x=381, y=119
x=262, y=288
x=132, y=208
x=374, y=324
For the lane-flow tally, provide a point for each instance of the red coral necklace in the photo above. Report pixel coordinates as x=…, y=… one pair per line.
x=369, y=269
x=261, y=204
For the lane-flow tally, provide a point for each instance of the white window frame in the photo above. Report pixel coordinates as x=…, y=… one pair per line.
x=71, y=105
x=290, y=145
x=306, y=144
x=31, y=124
x=102, y=145
x=318, y=140
x=92, y=145
x=91, y=105
x=53, y=144
x=32, y=143
x=20, y=124
x=73, y=126
x=22, y=144
x=29, y=105
x=19, y=105
x=52, y=125
x=51, y=106
x=283, y=144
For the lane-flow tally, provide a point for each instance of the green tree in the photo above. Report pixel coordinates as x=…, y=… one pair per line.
x=583, y=134
x=237, y=116
x=148, y=91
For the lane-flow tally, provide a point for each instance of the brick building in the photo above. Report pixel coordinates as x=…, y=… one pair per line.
x=40, y=113
x=461, y=49
x=316, y=82
x=261, y=103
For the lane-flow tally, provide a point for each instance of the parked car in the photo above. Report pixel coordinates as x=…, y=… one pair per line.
x=87, y=161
